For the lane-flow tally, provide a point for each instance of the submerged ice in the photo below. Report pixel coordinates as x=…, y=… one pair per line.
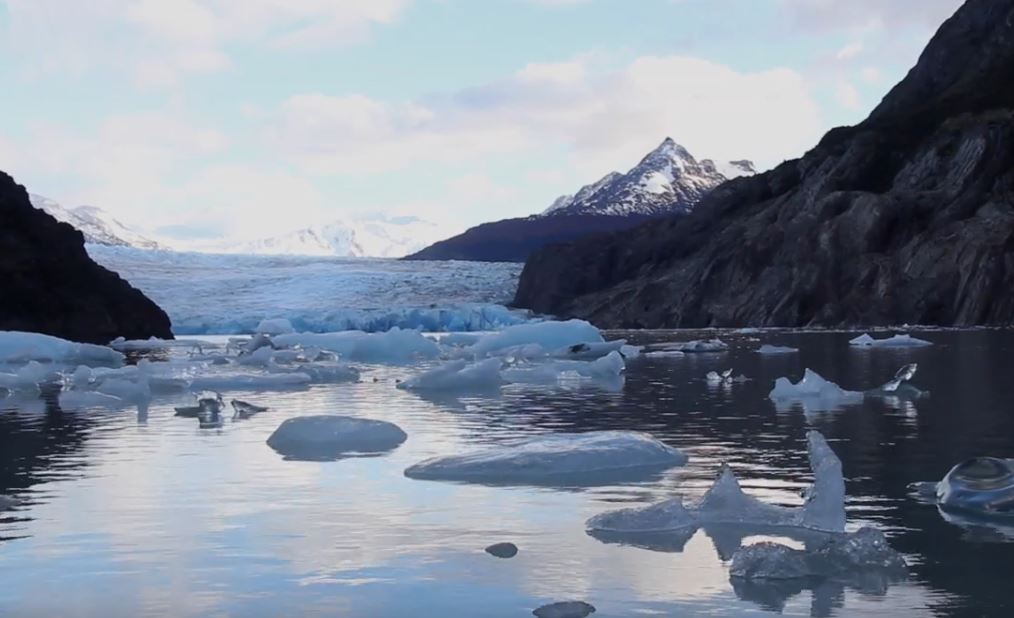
x=726, y=503
x=328, y=437
x=591, y=458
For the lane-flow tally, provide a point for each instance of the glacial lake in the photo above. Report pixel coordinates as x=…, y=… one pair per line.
x=152, y=516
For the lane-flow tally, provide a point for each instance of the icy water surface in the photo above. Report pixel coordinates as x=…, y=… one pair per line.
x=153, y=516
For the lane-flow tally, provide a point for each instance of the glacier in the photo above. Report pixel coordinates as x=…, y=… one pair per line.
x=233, y=294
x=586, y=459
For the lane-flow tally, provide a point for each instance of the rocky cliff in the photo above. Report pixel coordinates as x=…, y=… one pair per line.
x=48, y=284
x=907, y=217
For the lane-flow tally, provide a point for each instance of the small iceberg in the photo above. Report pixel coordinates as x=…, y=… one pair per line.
x=328, y=437
x=21, y=347
x=250, y=382
x=606, y=368
x=981, y=486
x=458, y=375
x=726, y=503
x=586, y=459
x=565, y=609
x=770, y=350
x=842, y=555
x=897, y=341
x=664, y=354
x=547, y=335
x=725, y=378
x=813, y=393
x=700, y=346
x=899, y=387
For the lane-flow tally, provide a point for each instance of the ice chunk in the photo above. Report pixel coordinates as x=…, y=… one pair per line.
x=29, y=378
x=579, y=458
x=589, y=350
x=813, y=393
x=250, y=382
x=608, y=367
x=395, y=346
x=21, y=347
x=155, y=343
x=701, y=345
x=565, y=609
x=981, y=485
x=127, y=390
x=458, y=376
x=326, y=373
x=842, y=555
x=460, y=340
x=664, y=354
x=630, y=351
x=548, y=335
x=726, y=503
x=326, y=437
x=767, y=349
x=277, y=326
x=897, y=341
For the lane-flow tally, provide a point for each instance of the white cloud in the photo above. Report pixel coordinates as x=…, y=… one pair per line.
x=604, y=119
x=863, y=14
x=158, y=42
x=871, y=75
x=849, y=51
x=847, y=96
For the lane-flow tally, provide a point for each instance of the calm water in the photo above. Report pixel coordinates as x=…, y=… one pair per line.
x=143, y=517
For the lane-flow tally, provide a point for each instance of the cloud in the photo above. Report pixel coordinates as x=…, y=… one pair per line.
x=160, y=42
x=603, y=118
x=890, y=14
x=849, y=51
x=847, y=96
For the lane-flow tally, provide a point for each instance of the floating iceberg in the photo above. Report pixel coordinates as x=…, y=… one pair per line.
x=813, y=393
x=21, y=347
x=767, y=349
x=154, y=343
x=608, y=367
x=250, y=382
x=982, y=486
x=700, y=345
x=458, y=376
x=841, y=555
x=276, y=326
x=726, y=503
x=325, y=373
x=548, y=335
x=29, y=379
x=321, y=438
x=591, y=458
x=664, y=354
x=899, y=387
x=394, y=346
x=565, y=609
x=897, y=341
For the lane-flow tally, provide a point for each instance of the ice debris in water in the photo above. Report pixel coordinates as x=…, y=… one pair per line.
x=767, y=349
x=548, y=335
x=899, y=386
x=981, y=485
x=841, y=555
x=21, y=347
x=607, y=367
x=328, y=437
x=581, y=458
x=250, y=382
x=589, y=350
x=726, y=378
x=28, y=379
x=726, y=503
x=395, y=346
x=813, y=392
x=897, y=341
x=701, y=345
x=276, y=326
x=458, y=376
x=565, y=609
x=664, y=354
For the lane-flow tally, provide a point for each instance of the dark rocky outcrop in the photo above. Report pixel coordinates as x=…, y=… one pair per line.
x=48, y=284
x=906, y=217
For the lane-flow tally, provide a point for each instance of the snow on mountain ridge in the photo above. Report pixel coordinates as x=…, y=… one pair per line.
x=98, y=226
x=668, y=179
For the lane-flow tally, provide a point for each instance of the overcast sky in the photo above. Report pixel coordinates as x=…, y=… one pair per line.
x=200, y=119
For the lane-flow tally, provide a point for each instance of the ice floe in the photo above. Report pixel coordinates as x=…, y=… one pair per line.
x=458, y=375
x=897, y=341
x=395, y=346
x=589, y=350
x=250, y=382
x=664, y=354
x=559, y=459
x=768, y=349
x=21, y=347
x=813, y=393
x=726, y=503
x=699, y=346
x=328, y=437
x=547, y=335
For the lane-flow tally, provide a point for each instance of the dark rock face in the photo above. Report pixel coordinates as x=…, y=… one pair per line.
x=906, y=217
x=50, y=285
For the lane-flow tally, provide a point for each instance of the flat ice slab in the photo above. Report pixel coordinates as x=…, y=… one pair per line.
x=591, y=458
x=700, y=345
x=458, y=376
x=21, y=347
x=897, y=341
x=328, y=437
x=813, y=393
x=250, y=382
x=547, y=335
x=726, y=503
x=395, y=346
x=767, y=349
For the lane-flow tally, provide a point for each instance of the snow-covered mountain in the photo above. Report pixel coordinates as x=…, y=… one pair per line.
x=376, y=236
x=669, y=179
x=97, y=225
